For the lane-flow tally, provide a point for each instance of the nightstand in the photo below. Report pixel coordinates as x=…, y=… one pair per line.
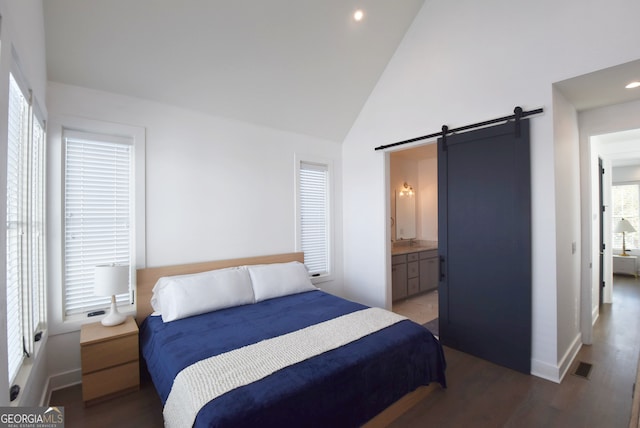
x=110, y=360
x=625, y=265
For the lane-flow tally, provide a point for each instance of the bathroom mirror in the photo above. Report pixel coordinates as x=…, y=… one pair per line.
x=405, y=214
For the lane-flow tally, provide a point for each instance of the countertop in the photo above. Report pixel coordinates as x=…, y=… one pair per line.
x=403, y=248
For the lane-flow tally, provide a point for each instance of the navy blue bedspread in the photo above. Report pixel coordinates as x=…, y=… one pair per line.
x=343, y=387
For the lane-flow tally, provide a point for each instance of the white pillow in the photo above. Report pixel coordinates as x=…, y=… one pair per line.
x=182, y=296
x=279, y=279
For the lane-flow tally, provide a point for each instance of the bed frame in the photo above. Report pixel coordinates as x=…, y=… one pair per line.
x=147, y=278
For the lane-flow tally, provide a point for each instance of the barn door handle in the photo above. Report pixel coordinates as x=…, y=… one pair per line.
x=441, y=268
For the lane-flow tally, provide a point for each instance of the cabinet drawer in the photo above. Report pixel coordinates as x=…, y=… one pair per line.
x=428, y=254
x=413, y=257
x=115, y=379
x=400, y=258
x=624, y=264
x=413, y=269
x=413, y=286
x=109, y=353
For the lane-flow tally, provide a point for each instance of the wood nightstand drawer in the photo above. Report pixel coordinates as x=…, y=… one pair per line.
x=105, y=382
x=109, y=358
x=107, y=354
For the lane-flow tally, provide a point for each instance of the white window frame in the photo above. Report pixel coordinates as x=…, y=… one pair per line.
x=30, y=224
x=616, y=239
x=58, y=124
x=330, y=218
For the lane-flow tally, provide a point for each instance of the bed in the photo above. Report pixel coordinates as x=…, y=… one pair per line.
x=301, y=358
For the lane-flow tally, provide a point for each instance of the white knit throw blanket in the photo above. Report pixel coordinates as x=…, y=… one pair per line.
x=207, y=379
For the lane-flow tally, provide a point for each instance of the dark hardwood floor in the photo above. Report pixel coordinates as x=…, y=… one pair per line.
x=480, y=394
x=139, y=409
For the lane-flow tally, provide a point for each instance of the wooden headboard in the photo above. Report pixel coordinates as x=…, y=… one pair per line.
x=146, y=278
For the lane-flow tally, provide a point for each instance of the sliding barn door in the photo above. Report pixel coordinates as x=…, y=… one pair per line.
x=484, y=231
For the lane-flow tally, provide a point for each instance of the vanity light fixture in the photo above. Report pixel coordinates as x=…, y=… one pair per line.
x=406, y=190
x=633, y=85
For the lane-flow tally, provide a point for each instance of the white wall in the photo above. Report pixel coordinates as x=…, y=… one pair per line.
x=567, y=167
x=428, y=199
x=465, y=62
x=22, y=28
x=215, y=188
x=624, y=174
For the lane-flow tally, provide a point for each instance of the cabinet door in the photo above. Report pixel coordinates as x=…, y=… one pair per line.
x=413, y=269
x=399, y=281
x=413, y=286
x=429, y=274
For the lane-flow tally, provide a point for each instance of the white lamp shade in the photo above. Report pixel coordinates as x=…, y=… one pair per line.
x=110, y=280
x=624, y=226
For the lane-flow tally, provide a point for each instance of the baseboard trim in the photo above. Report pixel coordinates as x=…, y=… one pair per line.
x=634, y=422
x=570, y=356
x=59, y=381
x=545, y=371
x=556, y=373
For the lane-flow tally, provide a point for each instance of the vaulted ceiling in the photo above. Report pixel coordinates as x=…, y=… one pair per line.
x=300, y=66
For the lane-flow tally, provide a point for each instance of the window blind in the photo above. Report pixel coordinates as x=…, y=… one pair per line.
x=626, y=204
x=97, y=214
x=314, y=218
x=16, y=187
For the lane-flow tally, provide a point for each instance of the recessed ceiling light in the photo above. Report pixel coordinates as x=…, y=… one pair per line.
x=358, y=15
x=633, y=85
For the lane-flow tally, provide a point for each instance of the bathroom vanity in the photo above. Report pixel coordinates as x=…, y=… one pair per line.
x=414, y=270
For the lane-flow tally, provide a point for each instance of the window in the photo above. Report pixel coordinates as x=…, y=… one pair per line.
x=25, y=225
x=313, y=217
x=97, y=215
x=62, y=316
x=626, y=204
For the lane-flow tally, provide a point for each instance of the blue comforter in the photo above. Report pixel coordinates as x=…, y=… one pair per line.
x=343, y=387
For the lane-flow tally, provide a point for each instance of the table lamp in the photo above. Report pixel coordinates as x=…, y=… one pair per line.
x=623, y=227
x=110, y=280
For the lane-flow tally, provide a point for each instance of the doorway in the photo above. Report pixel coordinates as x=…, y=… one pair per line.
x=414, y=254
x=601, y=104
x=602, y=155
x=618, y=162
